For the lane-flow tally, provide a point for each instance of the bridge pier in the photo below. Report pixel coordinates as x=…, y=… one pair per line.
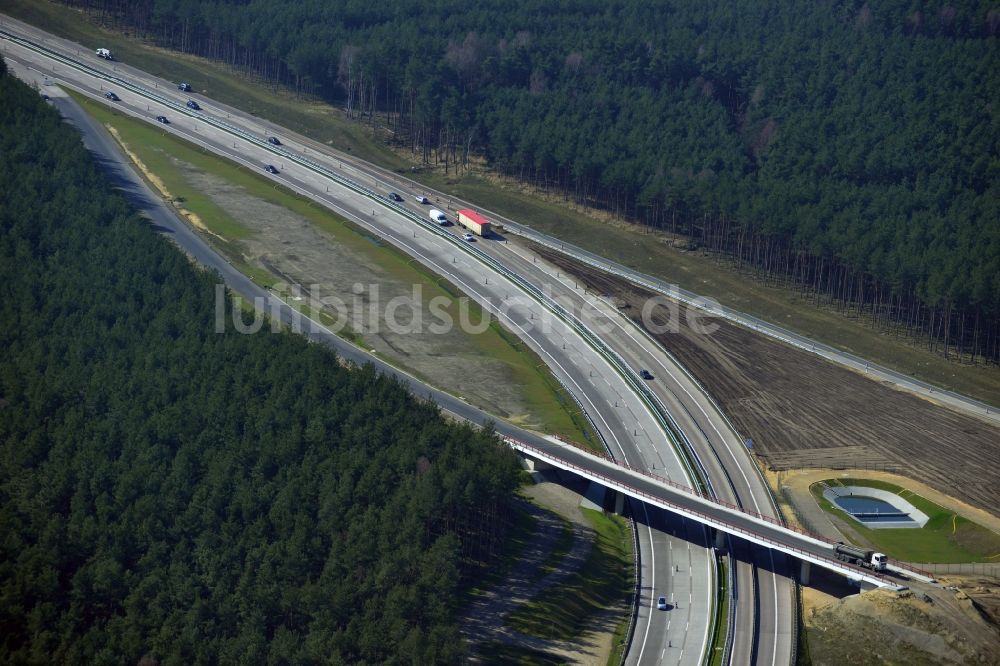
x=595, y=497
x=804, y=571
x=720, y=540
x=601, y=498
x=533, y=465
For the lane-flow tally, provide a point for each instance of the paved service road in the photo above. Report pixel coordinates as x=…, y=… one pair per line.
x=631, y=431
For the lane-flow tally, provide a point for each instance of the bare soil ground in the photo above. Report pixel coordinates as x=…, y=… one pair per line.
x=925, y=625
x=293, y=248
x=802, y=411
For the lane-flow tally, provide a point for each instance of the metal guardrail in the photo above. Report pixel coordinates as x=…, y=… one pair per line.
x=667, y=422
x=740, y=318
x=796, y=620
x=701, y=516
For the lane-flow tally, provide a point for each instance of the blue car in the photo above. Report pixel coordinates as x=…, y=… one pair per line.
x=193, y=105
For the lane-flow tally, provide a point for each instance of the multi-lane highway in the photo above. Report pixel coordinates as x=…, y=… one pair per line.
x=678, y=566
x=505, y=281
x=764, y=602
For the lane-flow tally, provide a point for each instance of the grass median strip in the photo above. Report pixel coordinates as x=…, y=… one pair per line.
x=722, y=627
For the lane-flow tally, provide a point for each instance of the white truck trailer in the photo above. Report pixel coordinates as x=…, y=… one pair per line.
x=474, y=222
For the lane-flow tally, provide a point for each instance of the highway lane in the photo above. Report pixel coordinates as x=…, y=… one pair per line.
x=630, y=415
x=822, y=548
x=990, y=413
x=744, y=644
x=766, y=595
x=466, y=272
x=879, y=373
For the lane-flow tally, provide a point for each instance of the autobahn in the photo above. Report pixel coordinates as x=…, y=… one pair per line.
x=696, y=418
x=572, y=359
x=764, y=602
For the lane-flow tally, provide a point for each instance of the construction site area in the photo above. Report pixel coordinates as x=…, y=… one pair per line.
x=810, y=420
x=801, y=411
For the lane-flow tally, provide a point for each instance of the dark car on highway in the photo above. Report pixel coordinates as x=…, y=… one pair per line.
x=113, y=97
x=645, y=374
x=191, y=104
x=162, y=119
x=395, y=197
x=186, y=87
x=270, y=168
x=273, y=140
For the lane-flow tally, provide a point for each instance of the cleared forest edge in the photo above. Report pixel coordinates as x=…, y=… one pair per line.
x=326, y=124
x=792, y=402
x=330, y=126
x=839, y=181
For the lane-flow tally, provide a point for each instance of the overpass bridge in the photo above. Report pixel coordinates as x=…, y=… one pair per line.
x=723, y=517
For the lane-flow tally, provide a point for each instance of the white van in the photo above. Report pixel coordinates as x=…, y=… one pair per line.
x=439, y=217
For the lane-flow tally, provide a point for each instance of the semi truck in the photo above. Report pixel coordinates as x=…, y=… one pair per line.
x=474, y=222
x=104, y=53
x=438, y=217
x=860, y=556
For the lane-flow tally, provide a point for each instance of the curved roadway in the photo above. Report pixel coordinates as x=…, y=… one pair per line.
x=681, y=639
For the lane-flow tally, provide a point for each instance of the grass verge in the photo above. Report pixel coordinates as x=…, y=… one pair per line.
x=165, y=160
x=946, y=538
x=722, y=625
x=618, y=641
x=604, y=580
x=306, y=115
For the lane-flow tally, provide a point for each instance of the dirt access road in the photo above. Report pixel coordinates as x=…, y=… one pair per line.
x=802, y=411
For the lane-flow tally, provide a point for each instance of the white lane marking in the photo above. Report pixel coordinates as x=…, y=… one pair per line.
x=652, y=585
x=774, y=650
x=365, y=223
x=656, y=359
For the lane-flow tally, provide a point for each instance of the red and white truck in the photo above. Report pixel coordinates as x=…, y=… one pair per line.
x=474, y=222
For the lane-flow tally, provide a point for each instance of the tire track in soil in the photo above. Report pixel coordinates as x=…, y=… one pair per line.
x=790, y=401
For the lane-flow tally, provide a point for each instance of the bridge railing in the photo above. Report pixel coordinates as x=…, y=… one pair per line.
x=709, y=519
x=691, y=491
